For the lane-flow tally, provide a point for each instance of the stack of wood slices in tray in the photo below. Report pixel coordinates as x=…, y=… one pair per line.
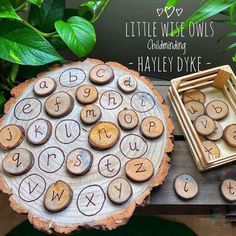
x=82, y=145
x=205, y=106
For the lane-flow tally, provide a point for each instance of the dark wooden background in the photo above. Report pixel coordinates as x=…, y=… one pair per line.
x=112, y=45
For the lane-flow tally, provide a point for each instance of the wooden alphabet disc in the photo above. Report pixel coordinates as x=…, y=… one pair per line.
x=151, y=127
x=218, y=132
x=127, y=83
x=210, y=150
x=104, y=135
x=228, y=189
x=80, y=177
x=59, y=104
x=19, y=161
x=193, y=95
x=194, y=109
x=217, y=109
x=86, y=94
x=230, y=135
x=128, y=119
x=119, y=191
x=58, y=196
x=139, y=169
x=101, y=74
x=185, y=186
x=90, y=114
x=79, y=161
x=39, y=132
x=44, y=86
x=204, y=125
x=11, y=136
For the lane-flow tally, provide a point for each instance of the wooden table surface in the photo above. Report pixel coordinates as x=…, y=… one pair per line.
x=209, y=199
x=164, y=201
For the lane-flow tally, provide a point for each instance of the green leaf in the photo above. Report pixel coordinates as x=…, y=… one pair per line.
x=234, y=58
x=226, y=36
x=7, y=11
x=209, y=9
x=36, y=2
x=88, y=9
x=233, y=45
x=232, y=12
x=171, y=3
x=78, y=34
x=223, y=21
x=22, y=45
x=45, y=16
x=2, y=101
x=57, y=43
x=16, y=3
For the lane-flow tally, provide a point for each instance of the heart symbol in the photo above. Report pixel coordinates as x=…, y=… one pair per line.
x=160, y=11
x=179, y=11
x=169, y=11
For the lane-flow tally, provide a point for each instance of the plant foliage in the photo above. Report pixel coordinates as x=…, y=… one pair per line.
x=34, y=41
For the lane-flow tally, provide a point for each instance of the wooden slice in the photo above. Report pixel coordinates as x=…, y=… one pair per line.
x=101, y=74
x=217, y=109
x=58, y=196
x=228, y=190
x=186, y=186
x=11, y=136
x=44, y=86
x=59, y=104
x=90, y=205
x=139, y=169
x=127, y=83
x=218, y=132
x=39, y=131
x=79, y=161
x=104, y=135
x=17, y=162
x=90, y=114
x=86, y=94
x=204, y=125
x=128, y=119
x=193, y=95
x=151, y=127
x=230, y=135
x=119, y=191
x=211, y=150
x=194, y=109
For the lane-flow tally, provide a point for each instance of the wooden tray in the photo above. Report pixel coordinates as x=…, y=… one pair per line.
x=27, y=191
x=215, y=83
